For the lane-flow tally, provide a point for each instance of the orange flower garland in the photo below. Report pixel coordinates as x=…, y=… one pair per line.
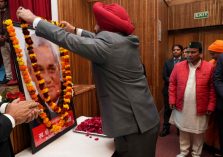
x=67, y=92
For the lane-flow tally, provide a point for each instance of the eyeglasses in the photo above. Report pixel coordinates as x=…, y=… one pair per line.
x=50, y=69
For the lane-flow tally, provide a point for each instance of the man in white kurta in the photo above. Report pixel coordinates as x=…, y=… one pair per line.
x=191, y=125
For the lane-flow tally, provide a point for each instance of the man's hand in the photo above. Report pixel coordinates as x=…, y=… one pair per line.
x=68, y=27
x=22, y=111
x=33, y=115
x=172, y=106
x=25, y=14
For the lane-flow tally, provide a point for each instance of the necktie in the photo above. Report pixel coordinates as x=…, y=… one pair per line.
x=176, y=60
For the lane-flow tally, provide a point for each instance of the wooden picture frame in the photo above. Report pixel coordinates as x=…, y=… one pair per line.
x=40, y=134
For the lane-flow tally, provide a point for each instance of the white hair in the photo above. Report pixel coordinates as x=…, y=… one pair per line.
x=39, y=41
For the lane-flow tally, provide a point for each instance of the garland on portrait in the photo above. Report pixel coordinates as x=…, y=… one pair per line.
x=66, y=73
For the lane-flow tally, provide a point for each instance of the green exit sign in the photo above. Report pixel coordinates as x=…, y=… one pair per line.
x=201, y=15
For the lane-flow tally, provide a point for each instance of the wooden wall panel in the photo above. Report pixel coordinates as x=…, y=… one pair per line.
x=86, y=104
x=177, y=2
x=144, y=15
x=162, y=52
x=182, y=16
x=205, y=35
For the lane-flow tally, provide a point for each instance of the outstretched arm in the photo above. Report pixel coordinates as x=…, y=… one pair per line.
x=94, y=49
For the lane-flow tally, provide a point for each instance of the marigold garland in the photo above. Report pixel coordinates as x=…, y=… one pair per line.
x=66, y=72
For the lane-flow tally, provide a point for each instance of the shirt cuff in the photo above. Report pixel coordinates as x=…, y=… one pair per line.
x=11, y=119
x=36, y=21
x=79, y=31
x=3, y=107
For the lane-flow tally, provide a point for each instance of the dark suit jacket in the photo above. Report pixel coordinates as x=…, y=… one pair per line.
x=125, y=100
x=5, y=130
x=167, y=69
x=218, y=82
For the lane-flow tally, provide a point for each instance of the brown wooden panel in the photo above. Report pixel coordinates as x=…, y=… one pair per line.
x=182, y=16
x=20, y=138
x=85, y=102
x=144, y=15
x=162, y=51
x=205, y=35
x=177, y=2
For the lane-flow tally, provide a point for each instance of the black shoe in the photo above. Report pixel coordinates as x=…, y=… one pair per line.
x=164, y=132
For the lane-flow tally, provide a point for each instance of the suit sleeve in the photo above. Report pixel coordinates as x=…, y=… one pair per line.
x=212, y=96
x=218, y=77
x=87, y=34
x=5, y=127
x=94, y=49
x=165, y=73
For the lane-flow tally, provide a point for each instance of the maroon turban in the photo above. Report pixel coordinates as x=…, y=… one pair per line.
x=113, y=18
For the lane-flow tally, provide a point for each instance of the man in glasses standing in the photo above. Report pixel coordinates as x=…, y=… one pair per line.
x=192, y=96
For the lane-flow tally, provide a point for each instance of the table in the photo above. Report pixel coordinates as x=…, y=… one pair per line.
x=73, y=144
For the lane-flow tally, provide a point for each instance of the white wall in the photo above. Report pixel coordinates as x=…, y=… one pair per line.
x=54, y=10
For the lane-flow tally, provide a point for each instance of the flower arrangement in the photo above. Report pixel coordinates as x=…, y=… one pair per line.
x=67, y=92
x=9, y=96
x=91, y=125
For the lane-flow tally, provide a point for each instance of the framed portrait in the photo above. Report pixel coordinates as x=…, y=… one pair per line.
x=44, y=67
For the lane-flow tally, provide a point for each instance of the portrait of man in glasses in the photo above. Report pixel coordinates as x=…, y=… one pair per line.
x=47, y=55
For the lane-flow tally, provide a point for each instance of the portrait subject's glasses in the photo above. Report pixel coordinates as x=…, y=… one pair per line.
x=50, y=69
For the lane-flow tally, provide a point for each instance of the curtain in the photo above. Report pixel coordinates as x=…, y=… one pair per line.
x=40, y=8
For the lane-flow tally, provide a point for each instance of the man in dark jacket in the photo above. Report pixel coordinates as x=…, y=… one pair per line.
x=12, y=114
x=218, y=82
x=168, y=67
x=127, y=107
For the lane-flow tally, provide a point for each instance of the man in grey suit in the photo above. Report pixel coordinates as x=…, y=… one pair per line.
x=127, y=107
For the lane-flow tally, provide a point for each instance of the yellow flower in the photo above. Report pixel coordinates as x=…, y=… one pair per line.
x=66, y=106
x=8, y=22
x=66, y=100
x=41, y=81
x=24, y=25
x=45, y=90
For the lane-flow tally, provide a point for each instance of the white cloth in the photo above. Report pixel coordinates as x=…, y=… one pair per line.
x=3, y=107
x=187, y=120
x=36, y=21
x=186, y=139
x=2, y=110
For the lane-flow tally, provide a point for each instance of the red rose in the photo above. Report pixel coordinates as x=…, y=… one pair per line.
x=92, y=125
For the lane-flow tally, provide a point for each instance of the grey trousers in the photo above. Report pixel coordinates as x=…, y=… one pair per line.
x=137, y=144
